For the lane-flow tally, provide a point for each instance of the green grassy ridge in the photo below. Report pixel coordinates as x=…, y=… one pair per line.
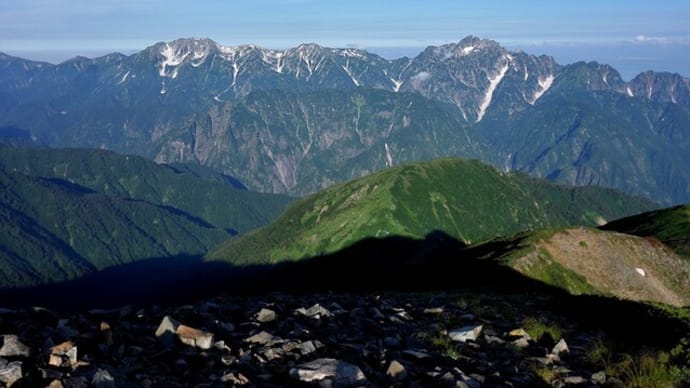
x=218, y=199
x=68, y=212
x=671, y=226
x=466, y=199
x=53, y=230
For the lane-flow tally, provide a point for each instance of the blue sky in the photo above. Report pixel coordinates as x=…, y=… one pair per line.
x=655, y=34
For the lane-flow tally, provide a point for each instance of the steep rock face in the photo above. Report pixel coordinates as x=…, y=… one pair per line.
x=662, y=87
x=473, y=73
x=284, y=142
x=585, y=132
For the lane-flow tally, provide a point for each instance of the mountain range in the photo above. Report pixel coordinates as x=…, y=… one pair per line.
x=298, y=120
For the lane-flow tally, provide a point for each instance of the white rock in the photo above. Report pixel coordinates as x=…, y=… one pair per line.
x=466, y=333
x=396, y=370
x=341, y=372
x=560, y=348
x=169, y=328
x=262, y=338
x=316, y=311
x=12, y=347
x=265, y=315
x=195, y=337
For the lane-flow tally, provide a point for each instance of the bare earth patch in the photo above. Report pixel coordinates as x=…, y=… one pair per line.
x=626, y=266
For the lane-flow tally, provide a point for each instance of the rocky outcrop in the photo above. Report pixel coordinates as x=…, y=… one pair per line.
x=324, y=339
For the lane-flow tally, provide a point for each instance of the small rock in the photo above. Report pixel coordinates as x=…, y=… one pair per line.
x=229, y=327
x=265, y=315
x=521, y=343
x=341, y=372
x=50, y=373
x=391, y=342
x=417, y=354
x=396, y=371
x=561, y=347
x=55, y=384
x=447, y=379
x=261, y=338
x=471, y=381
x=273, y=354
x=107, y=333
x=307, y=347
x=194, y=337
x=63, y=355
x=166, y=331
x=575, y=380
x=466, y=333
x=228, y=359
x=235, y=379
x=11, y=373
x=402, y=314
x=170, y=328
x=521, y=333
x=599, y=377
x=221, y=345
x=316, y=312
x=12, y=347
x=103, y=379
x=376, y=313
x=75, y=382
x=490, y=339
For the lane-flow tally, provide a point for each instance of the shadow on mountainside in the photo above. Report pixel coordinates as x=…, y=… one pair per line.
x=436, y=263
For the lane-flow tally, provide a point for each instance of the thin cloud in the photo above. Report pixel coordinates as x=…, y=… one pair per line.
x=661, y=40
x=651, y=39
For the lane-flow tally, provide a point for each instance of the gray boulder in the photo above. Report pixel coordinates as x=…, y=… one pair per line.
x=11, y=373
x=12, y=347
x=340, y=372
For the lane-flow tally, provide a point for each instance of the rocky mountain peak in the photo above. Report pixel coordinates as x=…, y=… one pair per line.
x=663, y=86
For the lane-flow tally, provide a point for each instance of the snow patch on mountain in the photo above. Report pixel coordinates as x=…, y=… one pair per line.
x=468, y=50
x=124, y=78
x=274, y=59
x=544, y=85
x=389, y=157
x=396, y=84
x=349, y=73
x=493, y=83
x=172, y=57
x=421, y=77
x=351, y=53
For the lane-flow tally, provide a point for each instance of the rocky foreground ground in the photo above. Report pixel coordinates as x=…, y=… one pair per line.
x=288, y=340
